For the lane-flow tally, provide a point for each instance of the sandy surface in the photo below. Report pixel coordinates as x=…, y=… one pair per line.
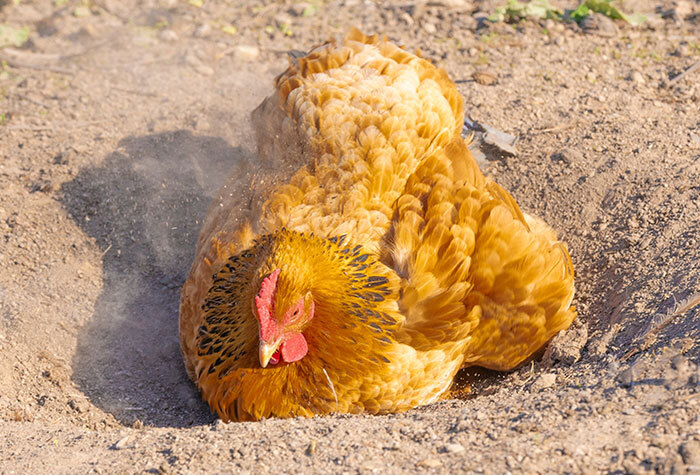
x=120, y=120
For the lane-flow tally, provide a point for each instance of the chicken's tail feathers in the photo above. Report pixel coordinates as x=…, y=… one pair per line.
x=524, y=293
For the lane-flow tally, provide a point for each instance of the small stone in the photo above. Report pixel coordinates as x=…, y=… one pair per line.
x=453, y=448
x=627, y=376
x=168, y=35
x=198, y=66
x=654, y=22
x=429, y=28
x=690, y=452
x=683, y=9
x=218, y=425
x=599, y=24
x=46, y=27
x=473, y=51
x=680, y=363
x=283, y=21
x=430, y=463
x=485, y=78
x=301, y=9
x=121, y=443
x=75, y=405
x=568, y=156
x=567, y=345
x=311, y=449
x=202, y=30
x=246, y=52
x=205, y=70
x=371, y=467
x=81, y=11
x=455, y=3
x=694, y=378
x=544, y=381
x=636, y=77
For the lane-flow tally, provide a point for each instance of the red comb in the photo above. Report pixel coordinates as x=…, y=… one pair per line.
x=264, y=303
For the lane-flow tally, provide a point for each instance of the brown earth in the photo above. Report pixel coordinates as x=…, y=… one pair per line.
x=118, y=122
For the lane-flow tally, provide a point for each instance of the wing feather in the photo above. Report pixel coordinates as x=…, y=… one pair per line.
x=473, y=267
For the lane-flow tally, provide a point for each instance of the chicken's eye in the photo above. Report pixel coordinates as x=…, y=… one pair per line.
x=296, y=312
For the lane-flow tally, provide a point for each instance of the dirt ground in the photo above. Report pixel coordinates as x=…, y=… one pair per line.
x=119, y=120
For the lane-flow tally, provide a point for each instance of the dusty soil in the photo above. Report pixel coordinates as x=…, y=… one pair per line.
x=120, y=120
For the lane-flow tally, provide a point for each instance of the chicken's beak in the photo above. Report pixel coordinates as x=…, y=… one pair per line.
x=266, y=351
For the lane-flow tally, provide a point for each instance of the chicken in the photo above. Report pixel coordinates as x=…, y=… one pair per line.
x=383, y=265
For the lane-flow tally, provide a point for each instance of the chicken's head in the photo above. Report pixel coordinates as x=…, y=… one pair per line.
x=281, y=337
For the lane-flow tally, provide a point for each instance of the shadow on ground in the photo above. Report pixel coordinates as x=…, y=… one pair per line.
x=144, y=206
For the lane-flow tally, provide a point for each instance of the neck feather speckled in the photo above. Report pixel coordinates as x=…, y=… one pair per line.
x=355, y=308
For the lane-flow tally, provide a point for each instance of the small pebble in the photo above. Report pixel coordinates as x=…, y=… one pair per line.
x=202, y=30
x=204, y=70
x=246, y=52
x=121, y=443
x=311, y=449
x=690, y=451
x=599, y=24
x=198, y=66
x=453, y=448
x=81, y=11
x=680, y=363
x=544, y=381
x=298, y=9
x=168, y=35
x=219, y=425
x=485, y=78
x=627, y=376
x=683, y=9
x=430, y=28
x=636, y=77
x=430, y=463
x=75, y=405
x=566, y=346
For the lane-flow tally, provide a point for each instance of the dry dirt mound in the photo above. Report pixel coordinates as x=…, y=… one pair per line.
x=118, y=120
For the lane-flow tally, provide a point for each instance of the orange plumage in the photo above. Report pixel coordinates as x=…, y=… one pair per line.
x=384, y=265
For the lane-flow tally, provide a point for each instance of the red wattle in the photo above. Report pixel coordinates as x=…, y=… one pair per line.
x=294, y=348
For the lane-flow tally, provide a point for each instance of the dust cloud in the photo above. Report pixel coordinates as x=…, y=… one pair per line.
x=144, y=205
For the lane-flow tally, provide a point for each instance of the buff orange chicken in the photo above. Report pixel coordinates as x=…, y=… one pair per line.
x=380, y=266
